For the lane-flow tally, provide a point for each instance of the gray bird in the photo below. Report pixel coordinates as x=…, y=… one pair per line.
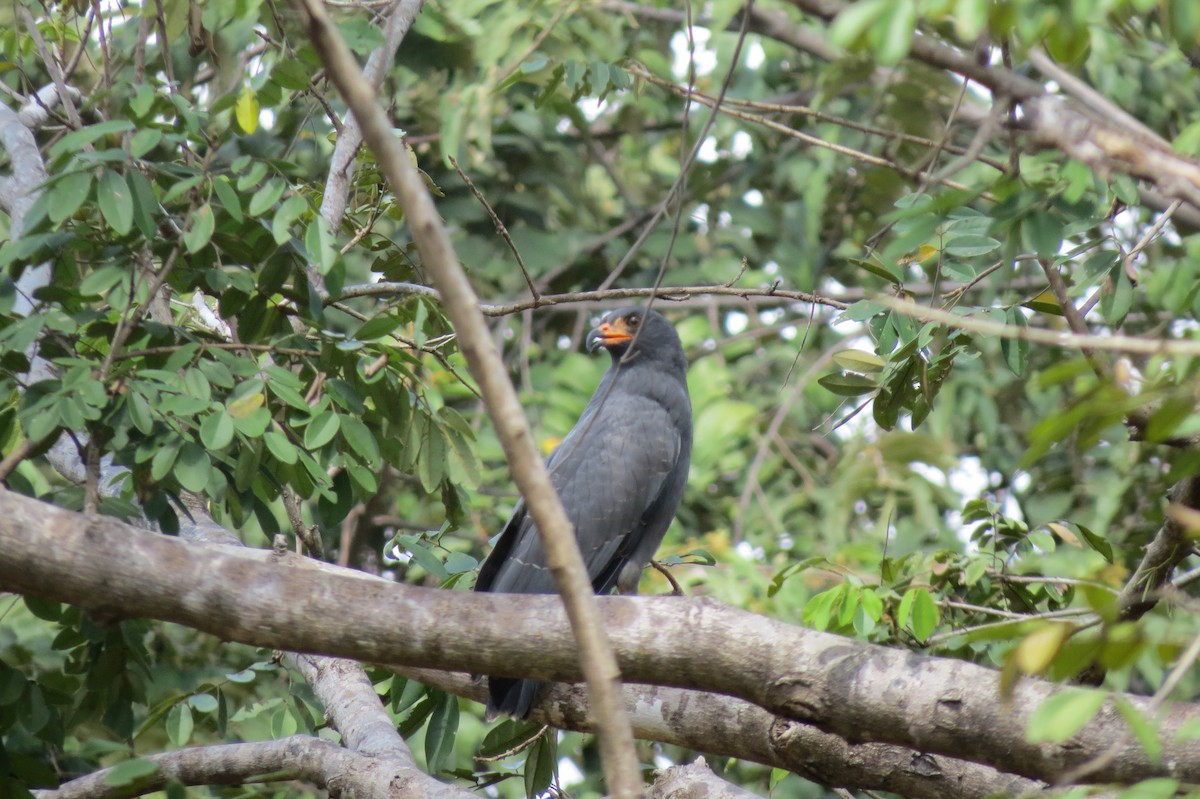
x=619, y=473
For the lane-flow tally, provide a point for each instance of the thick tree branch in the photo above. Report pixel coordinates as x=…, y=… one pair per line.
x=324, y=764
x=729, y=727
x=623, y=775
x=858, y=691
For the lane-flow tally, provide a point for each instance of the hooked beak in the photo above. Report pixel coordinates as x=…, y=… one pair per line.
x=609, y=334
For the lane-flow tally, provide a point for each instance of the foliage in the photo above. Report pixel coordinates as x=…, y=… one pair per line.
x=857, y=467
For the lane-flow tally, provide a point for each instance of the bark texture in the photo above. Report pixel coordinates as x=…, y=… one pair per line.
x=859, y=691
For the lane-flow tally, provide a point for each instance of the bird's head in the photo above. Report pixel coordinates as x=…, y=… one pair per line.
x=648, y=331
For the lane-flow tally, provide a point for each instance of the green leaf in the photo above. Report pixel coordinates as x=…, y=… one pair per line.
x=193, y=467
x=378, y=327
x=203, y=703
x=1096, y=542
x=77, y=140
x=265, y=197
x=1015, y=350
x=145, y=203
x=853, y=21
x=1063, y=715
x=971, y=246
x=116, y=202
x=897, y=26
x=228, y=198
x=460, y=562
x=198, y=235
x=439, y=737
x=321, y=430
x=164, y=460
x=864, y=363
x=68, y=194
x=180, y=724
x=216, y=431
x=539, y=766
x=924, y=614
x=847, y=384
x=1144, y=729
x=131, y=772
x=144, y=141
x=281, y=447
x=360, y=440
x=97, y=283
x=319, y=242
x=289, y=210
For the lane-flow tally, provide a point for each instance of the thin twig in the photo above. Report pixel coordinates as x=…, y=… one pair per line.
x=1074, y=319
x=1065, y=340
x=667, y=293
x=500, y=227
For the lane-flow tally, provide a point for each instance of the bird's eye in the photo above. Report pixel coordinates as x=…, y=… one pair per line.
x=633, y=319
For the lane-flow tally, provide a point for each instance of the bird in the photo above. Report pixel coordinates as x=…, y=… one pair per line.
x=620, y=475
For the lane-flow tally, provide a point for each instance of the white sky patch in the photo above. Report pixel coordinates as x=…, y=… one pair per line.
x=700, y=217
x=708, y=151
x=705, y=57
x=968, y=478
x=736, y=322
x=789, y=333
x=770, y=267
x=563, y=125
x=564, y=342
x=930, y=473
x=770, y=316
x=754, y=199
x=1181, y=326
x=724, y=219
x=591, y=108
x=266, y=118
x=755, y=56
x=742, y=144
x=568, y=773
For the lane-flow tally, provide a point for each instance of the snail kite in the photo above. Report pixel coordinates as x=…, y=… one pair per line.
x=619, y=473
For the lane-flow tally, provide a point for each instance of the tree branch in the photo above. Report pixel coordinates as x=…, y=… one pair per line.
x=622, y=771
x=661, y=294
x=1050, y=121
x=341, y=162
x=325, y=764
x=858, y=691
x=729, y=727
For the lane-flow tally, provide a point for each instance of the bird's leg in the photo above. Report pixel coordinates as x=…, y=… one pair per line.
x=676, y=590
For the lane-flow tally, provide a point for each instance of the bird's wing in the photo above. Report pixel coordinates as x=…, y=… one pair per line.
x=608, y=472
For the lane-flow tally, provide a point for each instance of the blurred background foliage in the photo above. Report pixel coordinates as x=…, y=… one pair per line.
x=855, y=470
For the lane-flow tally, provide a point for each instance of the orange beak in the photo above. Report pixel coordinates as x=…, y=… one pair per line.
x=609, y=334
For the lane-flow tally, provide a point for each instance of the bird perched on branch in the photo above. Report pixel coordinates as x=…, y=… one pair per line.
x=619, y=473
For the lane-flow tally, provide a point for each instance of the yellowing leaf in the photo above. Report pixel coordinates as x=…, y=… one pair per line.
x=245, y=110
x=549, y=443
x=1037, y=651
x=1065, y=534
x=241, y=408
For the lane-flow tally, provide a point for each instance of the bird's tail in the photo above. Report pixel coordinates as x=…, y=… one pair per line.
x=511, y=697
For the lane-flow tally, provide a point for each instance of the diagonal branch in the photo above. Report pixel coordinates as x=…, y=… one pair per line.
x=562, y=553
